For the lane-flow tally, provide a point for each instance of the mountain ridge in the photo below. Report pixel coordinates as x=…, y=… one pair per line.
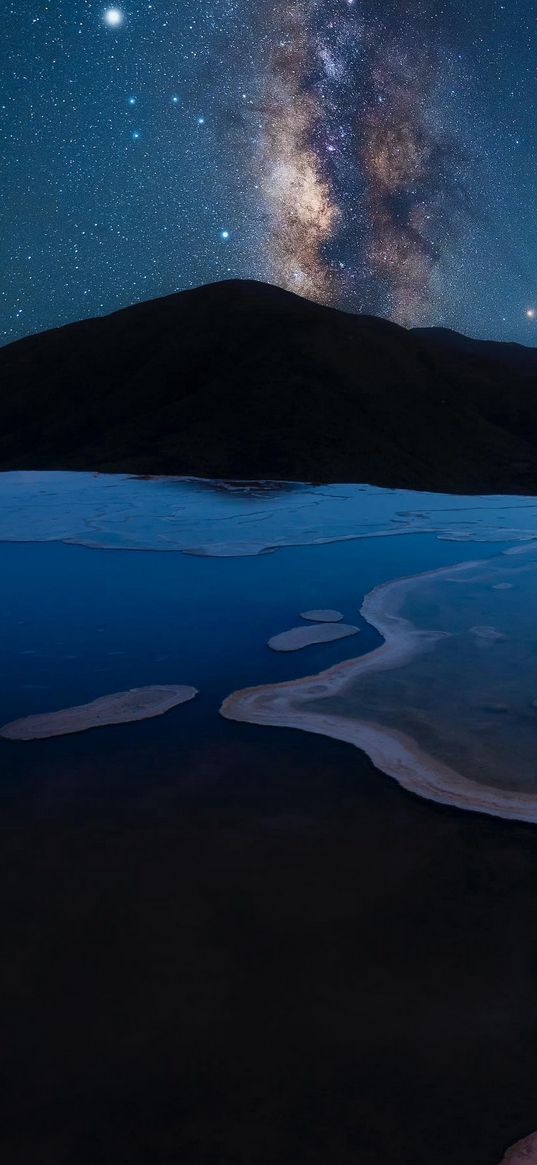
x=243, y=379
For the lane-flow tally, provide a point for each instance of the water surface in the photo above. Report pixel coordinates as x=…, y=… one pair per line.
x=236, y=943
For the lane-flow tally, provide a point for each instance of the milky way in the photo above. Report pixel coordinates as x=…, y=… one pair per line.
x=302, y=211
x=416, y=183
x=377, y=155
x=366, y=186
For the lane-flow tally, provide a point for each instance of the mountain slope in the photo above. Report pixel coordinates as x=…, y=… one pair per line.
x=243, y=379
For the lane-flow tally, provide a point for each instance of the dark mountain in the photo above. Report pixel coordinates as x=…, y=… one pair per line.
x=513, y=356
x=240, y=379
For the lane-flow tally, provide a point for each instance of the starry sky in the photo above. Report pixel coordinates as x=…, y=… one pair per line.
x=375, y=155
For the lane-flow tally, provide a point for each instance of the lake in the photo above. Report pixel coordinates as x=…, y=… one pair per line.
x=244, y=941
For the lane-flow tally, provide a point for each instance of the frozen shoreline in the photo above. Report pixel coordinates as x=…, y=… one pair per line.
x=391, y=751
x=213, y=519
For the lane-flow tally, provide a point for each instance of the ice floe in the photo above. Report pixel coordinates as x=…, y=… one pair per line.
x=222, y=519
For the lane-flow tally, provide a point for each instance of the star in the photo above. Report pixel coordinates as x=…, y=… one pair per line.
x=342, y=131
x=113, y=17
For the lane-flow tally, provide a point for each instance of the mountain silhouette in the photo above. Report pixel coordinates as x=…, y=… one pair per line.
x=242, y=379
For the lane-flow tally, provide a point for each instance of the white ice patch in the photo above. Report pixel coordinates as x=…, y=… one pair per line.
x=222, y=519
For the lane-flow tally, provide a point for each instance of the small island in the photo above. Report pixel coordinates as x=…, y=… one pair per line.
x=298, y=637
x=116, y=708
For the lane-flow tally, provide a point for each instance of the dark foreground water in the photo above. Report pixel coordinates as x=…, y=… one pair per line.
x=234, y=945
x=76, y=623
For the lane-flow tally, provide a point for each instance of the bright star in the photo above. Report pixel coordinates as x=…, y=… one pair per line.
x=201, y=121
x=113, y=17
x=135, y=135
x=224, y=235
x=132, y=100
x=531, y=313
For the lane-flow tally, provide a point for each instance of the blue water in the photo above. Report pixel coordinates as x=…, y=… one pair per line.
x=76, y=623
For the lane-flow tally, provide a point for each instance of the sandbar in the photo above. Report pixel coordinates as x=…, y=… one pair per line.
x=116, y=708
x=391, y=751
x=299, y=637
x=322, y=616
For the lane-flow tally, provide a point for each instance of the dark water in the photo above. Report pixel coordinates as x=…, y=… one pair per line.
x=230, y=945
x=76, y=623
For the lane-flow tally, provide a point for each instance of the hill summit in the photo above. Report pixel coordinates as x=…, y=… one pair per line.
x=241, y=379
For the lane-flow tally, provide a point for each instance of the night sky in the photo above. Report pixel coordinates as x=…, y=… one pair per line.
x=377, y=155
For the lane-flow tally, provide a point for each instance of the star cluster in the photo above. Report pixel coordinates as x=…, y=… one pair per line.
x=295, y=187
x=378, y=155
